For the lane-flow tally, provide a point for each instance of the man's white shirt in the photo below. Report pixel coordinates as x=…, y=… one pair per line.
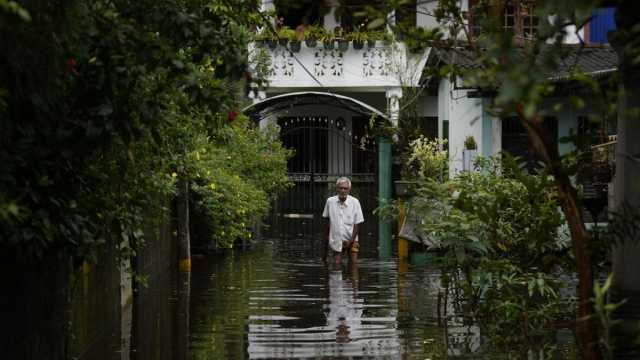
x=342, y=216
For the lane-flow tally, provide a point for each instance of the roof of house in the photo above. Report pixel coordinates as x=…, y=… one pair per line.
x=594, y=61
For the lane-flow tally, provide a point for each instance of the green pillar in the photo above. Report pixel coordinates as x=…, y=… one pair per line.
x=384, y=195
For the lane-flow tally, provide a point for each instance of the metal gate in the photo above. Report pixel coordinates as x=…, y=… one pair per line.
x=325, y=149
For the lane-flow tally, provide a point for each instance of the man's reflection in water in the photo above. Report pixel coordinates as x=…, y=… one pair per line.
x=344, y=311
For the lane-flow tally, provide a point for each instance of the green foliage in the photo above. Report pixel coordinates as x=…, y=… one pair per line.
x=102, y=107
x=604, y=313
x=427, y=159
x=496, y=230
x=470, y=143
x=313, y=31
x=236, y=178
x=15, y=8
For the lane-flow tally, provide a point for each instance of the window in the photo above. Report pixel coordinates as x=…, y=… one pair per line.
x=529, y=20
x=516, y=16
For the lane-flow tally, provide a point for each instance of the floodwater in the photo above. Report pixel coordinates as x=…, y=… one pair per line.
x=281, y=300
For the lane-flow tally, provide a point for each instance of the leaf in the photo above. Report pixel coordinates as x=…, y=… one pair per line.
x=376, y=23
x=178, y=63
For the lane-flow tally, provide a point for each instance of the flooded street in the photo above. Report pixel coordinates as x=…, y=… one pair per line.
x=281, y=300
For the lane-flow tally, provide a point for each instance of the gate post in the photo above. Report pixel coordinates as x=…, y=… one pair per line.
x=384, y=195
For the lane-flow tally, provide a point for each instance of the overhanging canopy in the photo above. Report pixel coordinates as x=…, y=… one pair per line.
x=278, y=103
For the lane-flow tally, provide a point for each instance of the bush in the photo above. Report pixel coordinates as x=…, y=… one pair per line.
x=496, y=231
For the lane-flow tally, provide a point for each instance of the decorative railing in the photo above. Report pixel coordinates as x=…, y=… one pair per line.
x=379, y=65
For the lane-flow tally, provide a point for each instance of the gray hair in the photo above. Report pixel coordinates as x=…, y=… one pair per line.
x=343, y=180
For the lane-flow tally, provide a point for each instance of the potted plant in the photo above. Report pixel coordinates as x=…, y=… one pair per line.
x=312, y=34
x=373, y=37
x=469, y=153
x=296, y=39
x=343, y=42
x=358, y=38
x=328, y=39
x=285, y=34
x=266, y=36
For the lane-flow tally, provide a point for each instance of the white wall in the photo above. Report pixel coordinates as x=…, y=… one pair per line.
x=423, y=17
x=366, y=69
x=465, y=118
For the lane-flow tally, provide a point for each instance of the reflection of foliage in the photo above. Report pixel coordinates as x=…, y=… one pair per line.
x=219, y=330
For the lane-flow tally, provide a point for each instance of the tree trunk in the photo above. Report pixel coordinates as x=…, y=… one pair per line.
x=580, y=238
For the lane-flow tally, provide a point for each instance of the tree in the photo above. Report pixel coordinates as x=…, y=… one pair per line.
x=516, y=71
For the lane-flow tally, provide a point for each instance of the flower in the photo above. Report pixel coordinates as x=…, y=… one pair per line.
x=72, y=66
x=232, y=116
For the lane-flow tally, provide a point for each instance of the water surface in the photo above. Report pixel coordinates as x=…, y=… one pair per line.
x=281, y=300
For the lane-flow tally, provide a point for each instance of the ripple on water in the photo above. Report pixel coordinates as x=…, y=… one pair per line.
x=279, y=308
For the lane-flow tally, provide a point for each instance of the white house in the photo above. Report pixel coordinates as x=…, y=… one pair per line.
x=324, y=99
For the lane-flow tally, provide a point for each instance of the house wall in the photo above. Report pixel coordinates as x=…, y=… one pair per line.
x=424, y=8
x=367, y=69
x=465, y=117
x=567, y=120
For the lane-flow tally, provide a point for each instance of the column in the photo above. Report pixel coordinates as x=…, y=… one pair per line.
x=384, y=195
x=393, y=96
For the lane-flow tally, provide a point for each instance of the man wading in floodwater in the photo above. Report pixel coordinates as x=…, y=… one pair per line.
x=345, y=216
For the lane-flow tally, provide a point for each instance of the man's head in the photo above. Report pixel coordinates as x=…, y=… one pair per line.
x=343, y=186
